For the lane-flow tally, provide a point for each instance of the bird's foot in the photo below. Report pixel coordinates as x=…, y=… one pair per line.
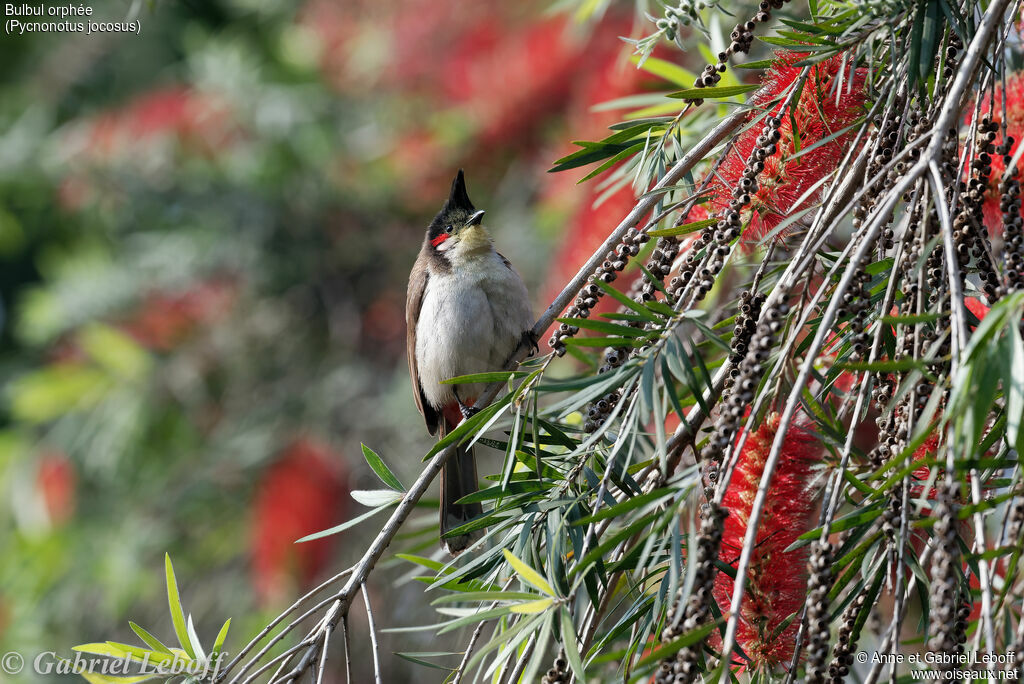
x=531, y=339
x=468, y=411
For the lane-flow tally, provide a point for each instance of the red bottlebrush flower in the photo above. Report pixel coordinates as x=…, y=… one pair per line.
x=302, y=493
x=1014, y=127
x=976, y=307
x=777, y=579
x=198, y=119
x=787, y=184
x=55, y=481
x=589, y=225
x=142, y=134
x=165, y=320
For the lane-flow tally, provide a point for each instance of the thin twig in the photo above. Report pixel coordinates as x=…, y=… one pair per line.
x=373, y=636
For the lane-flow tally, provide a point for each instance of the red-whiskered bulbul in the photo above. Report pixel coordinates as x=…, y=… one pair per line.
x=466, y=310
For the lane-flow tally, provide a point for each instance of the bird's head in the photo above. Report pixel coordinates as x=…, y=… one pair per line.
x=457, y=228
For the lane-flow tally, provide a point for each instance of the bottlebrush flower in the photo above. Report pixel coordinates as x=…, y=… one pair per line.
x=785, y=179
x=143, y=134
x=777, y=579
x=1014, y=128
x=55, y=481
x=165, y=319
x=302, y=493
x=588, y=225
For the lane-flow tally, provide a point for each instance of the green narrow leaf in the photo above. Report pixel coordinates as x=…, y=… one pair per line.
x=489, y=377
x=1013, y=389
x=626, y=301
x=629, y=504
x=177, y=612
x=378, y=466
x=485, y=596
x=149, y=639
x=472, y=424
x=605, y=342
x=572, y=649
x=528, y=574
x=530, y=607
x=676, y=644
x=604, y=327
x=218, y=643
x=343, y=526
x=684, y=229
x=418, y=658
x=758, y=64
x=931, y=33
x=712, y=93
x=112, y=649
x=916, y=37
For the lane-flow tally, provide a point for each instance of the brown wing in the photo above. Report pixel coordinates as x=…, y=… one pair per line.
x=413, y=302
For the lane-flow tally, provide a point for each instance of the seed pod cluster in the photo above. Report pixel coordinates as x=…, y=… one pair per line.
x=893, y=512
x=846, y=640
x=666, y=249
x=644, y=290
x=819, y=571
x=559, y=672
x=694, y=260
x=607, y=272
x=742, y=37
x=683, y=667
x=856, y=304
x=716, y=241
x=944, y=599
x=909, y=273
x=969, y=234
x=953, y=50
x=747, y=314
x=886, y=140
x=1013, y=233
x=751, y=369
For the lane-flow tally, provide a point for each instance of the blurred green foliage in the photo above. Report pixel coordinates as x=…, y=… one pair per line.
x=205, y=233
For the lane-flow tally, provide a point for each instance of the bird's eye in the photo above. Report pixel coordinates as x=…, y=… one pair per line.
x=449, y=229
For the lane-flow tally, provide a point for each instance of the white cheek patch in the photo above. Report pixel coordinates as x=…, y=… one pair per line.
x=444, y=246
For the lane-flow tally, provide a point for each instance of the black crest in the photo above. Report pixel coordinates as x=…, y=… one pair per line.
x=456, y=208
x=459, y=198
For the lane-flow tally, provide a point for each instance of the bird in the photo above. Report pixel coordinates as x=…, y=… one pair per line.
x=467, y=310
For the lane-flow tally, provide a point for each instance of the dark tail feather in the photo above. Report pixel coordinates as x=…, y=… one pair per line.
x=458, y=479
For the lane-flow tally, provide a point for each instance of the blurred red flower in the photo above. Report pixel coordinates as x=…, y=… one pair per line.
x=303, y=492
x=177, y=117
x=165, y=320
x=777, y=578
x=589, y=224
x=55, y=481
x=200, y=120
x=788, y=183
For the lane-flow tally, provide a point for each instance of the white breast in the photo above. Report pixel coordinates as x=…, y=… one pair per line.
x=471, y=320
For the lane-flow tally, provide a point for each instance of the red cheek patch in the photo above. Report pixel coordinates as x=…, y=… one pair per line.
x=439, y=239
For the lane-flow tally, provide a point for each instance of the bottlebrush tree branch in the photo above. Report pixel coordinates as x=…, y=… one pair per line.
x=951, y=108
x=358, y=574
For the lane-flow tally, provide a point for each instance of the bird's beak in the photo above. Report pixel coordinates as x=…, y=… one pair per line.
x=475, y=219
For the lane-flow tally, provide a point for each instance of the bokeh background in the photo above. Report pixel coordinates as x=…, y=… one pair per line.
x=205, y=236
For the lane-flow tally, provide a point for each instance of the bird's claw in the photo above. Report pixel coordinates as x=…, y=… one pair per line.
x=531, y=339
x=468, y=411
